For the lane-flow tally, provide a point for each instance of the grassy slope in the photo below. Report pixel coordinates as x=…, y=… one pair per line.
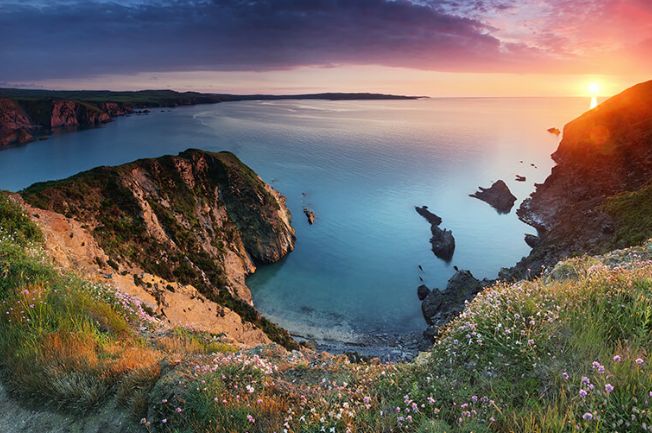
x=632, y=214
x=536, y=356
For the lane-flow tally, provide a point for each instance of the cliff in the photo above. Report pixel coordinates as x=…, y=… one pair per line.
x=605, y=157
x=28, y=113
x=15, y=126
x=21, y=120
x=202, y=219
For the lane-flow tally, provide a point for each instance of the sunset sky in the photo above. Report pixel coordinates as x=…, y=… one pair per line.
x=434, y=48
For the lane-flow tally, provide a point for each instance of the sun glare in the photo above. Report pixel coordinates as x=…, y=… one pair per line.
x=594, y=88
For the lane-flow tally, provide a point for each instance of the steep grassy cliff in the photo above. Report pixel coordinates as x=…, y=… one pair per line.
x=198, y=218
x=591, y=202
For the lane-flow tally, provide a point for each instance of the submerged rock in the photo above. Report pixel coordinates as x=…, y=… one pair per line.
x=442, y=240
x=498, y=196
x=310, y=214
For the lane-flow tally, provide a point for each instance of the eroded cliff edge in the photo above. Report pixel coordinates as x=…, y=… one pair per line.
x=199, y=218
x=598, y=196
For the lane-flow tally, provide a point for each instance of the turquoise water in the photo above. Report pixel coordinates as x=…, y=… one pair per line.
x=362, y=166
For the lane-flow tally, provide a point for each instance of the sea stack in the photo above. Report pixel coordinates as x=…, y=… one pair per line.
x=498, y=196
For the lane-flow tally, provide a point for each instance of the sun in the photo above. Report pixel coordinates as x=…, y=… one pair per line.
x=594, y=88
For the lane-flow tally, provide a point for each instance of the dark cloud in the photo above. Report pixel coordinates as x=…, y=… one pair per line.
x=66, y=39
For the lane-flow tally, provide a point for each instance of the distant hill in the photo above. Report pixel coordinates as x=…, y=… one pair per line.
x=29, y=114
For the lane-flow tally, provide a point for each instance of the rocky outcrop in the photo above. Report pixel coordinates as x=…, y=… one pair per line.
x=532, y=240
x=15, y=125
x=442, y=240
x=202, y=219
x=498, y=196
x=439, y=306
x=310, y=215
x=21, y=119
x=605, y=152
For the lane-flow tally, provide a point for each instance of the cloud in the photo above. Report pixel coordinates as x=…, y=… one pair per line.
x=75, y=38
x=65, y=39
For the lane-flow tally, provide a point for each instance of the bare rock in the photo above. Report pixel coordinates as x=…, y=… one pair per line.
x=498, y=196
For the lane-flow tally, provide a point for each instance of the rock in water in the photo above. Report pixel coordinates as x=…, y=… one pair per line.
x=554, y=131
x=520, y=178
x=498, y=196
x=442, y=240
x=439, y=306
x=310, y=214
x=429, y=216
x=422, y=292
x=443, y=243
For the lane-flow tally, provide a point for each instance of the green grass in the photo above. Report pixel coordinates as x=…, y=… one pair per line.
x=13, y=221
x=63, y=341
x=632, y=214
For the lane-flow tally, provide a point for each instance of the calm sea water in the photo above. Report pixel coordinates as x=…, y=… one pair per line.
x=362, y=166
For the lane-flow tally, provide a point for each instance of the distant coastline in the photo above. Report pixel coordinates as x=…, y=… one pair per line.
x=27, y=115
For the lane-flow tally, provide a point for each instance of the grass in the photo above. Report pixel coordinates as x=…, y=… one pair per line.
x=632, y=214
x=567, y=353
x=63, y=341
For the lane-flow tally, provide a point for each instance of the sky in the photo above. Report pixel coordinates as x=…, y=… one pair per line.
x=416, y=47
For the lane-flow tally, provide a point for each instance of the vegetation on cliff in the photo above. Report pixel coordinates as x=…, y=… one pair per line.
x=197, y=218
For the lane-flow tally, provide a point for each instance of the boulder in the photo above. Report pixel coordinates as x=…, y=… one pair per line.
x=498, y=196
x=443, y=243
x=422, y=292
x=439, y=306
x=310, y=214
x=442, y=240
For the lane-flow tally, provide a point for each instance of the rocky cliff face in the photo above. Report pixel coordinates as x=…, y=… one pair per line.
x=15, y=125
x=20, y=120
x=199, y=218
x=73, y=114
x=604, y=153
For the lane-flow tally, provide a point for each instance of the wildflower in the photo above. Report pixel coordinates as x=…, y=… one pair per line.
x=178, y=410
x=164, y=401
x=565, y=376
x=639, y=361
x=608, y=388
x=617, y=358
x=583, y=393
x=164, y=421
x=588, y=416
x=251, y=419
